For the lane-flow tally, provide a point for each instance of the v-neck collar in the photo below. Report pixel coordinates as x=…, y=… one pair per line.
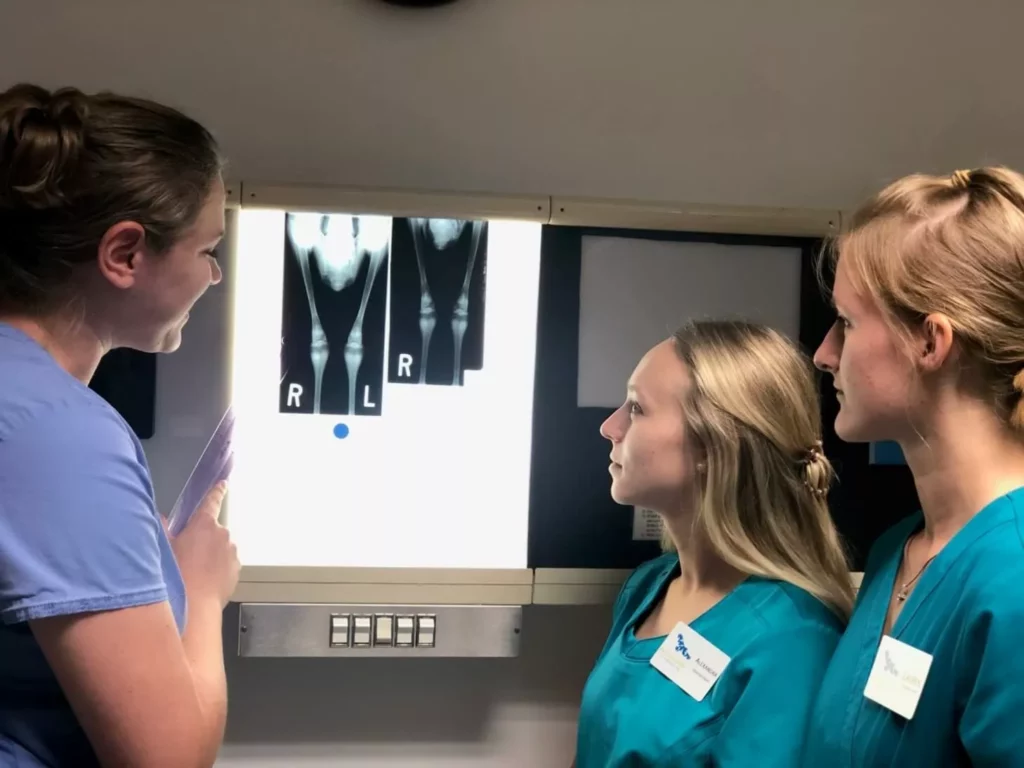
x=996, y=512
x=636, y=649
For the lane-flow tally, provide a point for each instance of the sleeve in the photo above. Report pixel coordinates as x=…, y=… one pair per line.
x=777, y=681
x=78, y=524
x=990, y=668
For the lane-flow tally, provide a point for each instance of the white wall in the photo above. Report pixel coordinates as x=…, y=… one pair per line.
x=791, y=102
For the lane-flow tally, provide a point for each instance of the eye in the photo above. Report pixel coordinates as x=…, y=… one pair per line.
x=634, y=408
x=213, y=253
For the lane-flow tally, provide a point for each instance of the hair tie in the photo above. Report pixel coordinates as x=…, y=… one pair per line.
x=961, y=179
x=816, y=482
x=1018, y=381
x=813, y=453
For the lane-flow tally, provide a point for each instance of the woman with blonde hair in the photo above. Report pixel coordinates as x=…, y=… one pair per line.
x=928, y=351
x=718, y=646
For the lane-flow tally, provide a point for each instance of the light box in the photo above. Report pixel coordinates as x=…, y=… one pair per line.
x=382, y=382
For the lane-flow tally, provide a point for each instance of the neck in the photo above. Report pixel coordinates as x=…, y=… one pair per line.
x=76, y=347
x=701, y=569
x=965, y=460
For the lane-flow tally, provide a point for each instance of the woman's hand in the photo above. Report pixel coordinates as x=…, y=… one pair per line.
x=207, y=557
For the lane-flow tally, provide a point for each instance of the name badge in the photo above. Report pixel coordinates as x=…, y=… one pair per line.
x=897, y=677
x=689, y=661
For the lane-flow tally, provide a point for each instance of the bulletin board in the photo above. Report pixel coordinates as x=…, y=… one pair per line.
x=605, y=297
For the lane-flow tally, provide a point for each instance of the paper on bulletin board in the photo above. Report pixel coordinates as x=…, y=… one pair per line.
x=647, y=525
x=678, y=282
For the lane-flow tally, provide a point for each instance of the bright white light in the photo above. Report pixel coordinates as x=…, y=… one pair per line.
x=440, y=479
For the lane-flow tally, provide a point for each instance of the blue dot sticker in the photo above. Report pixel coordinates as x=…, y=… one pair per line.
x=341, y=431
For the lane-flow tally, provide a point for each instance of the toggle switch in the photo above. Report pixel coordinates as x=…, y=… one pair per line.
x=425, y=630
x=385, y=630
x=362, y=631
x=340, y=631
x=405, y=631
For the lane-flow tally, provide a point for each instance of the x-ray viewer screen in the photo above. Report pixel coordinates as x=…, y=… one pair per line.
x=382, y=381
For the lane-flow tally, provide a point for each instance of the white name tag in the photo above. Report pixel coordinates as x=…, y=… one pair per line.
x=689, y=661
x=897, y=677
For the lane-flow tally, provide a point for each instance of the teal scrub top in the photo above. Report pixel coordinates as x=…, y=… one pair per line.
x=967, y=611
x=779, y=639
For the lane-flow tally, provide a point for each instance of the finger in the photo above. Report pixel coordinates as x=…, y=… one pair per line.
x=213, y=500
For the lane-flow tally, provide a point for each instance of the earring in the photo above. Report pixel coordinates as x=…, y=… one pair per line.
x=702, y=467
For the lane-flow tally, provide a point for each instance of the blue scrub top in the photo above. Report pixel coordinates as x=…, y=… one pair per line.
x=779, y=639
x=79, y=532
x=967, y=611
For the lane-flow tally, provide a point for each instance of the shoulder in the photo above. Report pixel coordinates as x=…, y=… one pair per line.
x=991, y=576
x=778, y=612
x=36, y=393
x=1015, y=503
x=646, y=578
x=75, y=427
x=771, y=621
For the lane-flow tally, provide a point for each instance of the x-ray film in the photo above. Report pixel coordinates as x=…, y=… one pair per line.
x=437, y=300
x=213, y=467
x=376, y=409
x=334, y=313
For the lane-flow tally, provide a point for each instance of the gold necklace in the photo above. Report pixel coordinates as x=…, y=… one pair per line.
x=901, y=595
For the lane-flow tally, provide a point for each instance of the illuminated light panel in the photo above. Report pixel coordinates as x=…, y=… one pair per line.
x=440, y=479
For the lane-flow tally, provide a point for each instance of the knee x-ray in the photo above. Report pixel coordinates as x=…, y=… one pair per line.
x=437, y=300
x=382, y=382
x=334, y=313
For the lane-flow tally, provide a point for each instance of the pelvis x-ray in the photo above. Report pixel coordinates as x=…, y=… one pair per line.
x=334, y=313
x=437, y=300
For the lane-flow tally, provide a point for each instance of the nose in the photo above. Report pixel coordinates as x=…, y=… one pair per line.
x=216, y=273
x=611, y=428
x=826, y=356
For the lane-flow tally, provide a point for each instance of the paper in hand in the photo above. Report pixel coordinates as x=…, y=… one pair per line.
x=213, y=466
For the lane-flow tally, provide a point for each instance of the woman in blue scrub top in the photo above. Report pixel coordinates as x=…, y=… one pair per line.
x=110, y=210
x=718, y=646
x=928, y=351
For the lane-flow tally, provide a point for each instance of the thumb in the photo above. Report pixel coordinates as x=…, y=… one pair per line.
x=211, y=503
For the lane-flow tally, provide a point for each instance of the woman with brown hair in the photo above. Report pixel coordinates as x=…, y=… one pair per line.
x=110, y=212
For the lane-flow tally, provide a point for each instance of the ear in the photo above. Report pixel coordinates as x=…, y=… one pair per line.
x=936, y=342
x=120, y=252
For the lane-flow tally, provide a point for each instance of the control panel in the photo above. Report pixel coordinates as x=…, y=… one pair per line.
x=382, y=630
x=323, y=630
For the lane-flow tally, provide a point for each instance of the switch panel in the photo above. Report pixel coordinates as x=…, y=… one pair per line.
x=384, y=629
x=379, y=630
x=405, y=631
x=340, y=625
x=425, y=630
x=362, y=631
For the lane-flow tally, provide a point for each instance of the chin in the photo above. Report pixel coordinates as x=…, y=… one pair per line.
x=851, y=430
x=170, y=344
x=169, y=340
x=619, y=497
